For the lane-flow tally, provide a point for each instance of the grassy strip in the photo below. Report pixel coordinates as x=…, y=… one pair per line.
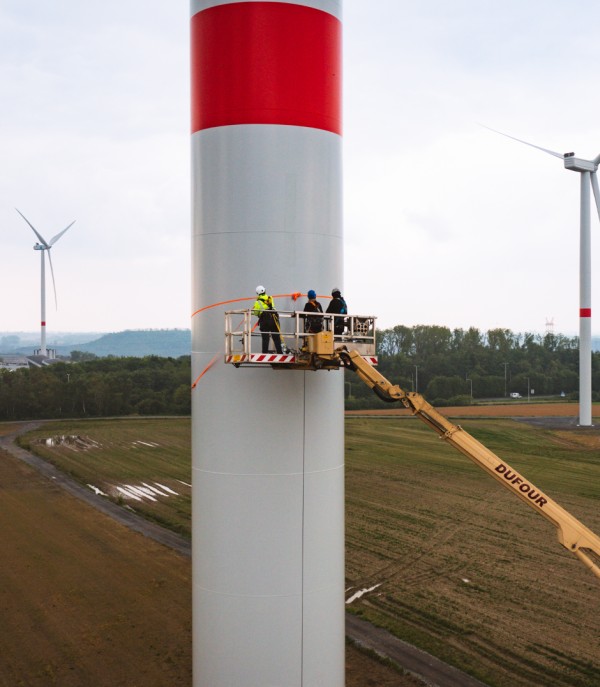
x=115, y=456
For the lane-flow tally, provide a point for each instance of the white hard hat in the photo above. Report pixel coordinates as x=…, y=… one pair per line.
x=260, y=290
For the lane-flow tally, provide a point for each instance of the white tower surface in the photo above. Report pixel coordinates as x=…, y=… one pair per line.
x=268, y=466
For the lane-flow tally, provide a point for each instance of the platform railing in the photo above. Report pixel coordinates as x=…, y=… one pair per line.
x=243, y=336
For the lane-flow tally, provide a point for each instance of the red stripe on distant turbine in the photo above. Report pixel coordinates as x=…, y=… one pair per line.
x=585, y=312
x=266, y=63
x=43, y=324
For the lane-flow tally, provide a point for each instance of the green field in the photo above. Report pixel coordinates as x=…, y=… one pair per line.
x=109, y=454
x=463, y=569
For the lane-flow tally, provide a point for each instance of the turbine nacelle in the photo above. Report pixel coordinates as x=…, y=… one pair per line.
x=577, y=164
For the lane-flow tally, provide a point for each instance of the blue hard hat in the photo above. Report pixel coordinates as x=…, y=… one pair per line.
x=311, y=294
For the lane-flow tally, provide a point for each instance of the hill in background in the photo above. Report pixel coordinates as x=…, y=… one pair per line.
x=168, y=343
x=18, y=342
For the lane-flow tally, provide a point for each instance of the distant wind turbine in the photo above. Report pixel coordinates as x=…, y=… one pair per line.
x=44, y=246
x=587, y=169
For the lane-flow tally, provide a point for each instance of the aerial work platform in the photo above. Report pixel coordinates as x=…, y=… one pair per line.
x=301, y=349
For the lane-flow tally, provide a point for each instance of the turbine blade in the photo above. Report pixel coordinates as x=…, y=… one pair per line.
x=55, y=238
x=53, y=282
x=545, y=150
x=35, y=231
x=594, y=180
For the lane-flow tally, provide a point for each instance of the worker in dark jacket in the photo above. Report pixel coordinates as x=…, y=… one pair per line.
x=338, y=306
x=268, y=319
x=313, y=324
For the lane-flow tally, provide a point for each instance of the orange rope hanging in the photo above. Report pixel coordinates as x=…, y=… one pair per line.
x=205, y=370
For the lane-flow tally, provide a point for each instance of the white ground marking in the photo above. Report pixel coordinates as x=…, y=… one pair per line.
x=140, y=492
x=128, y=494
x=154, y=490
x=357, y=595
x=143, y=491
x=99, y=492
x=162, y=486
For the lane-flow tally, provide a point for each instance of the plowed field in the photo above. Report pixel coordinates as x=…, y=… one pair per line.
x=458, y=566
x=84, y=600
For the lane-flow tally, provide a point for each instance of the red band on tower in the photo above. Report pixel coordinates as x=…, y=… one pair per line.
x=266, y=63
x=585, y=312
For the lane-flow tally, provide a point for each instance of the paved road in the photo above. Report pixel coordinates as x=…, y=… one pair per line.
x=421, y=664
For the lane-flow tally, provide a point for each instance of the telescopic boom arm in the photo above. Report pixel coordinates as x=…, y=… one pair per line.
x=572, y=534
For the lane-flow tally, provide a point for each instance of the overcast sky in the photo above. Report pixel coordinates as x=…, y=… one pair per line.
x=445, y=222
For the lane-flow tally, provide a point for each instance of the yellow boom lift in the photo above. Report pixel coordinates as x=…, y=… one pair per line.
x=355, y=350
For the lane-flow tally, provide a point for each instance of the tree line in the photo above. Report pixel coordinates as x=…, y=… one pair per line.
x=449, y=367
x=458, y=366
x=97, y=387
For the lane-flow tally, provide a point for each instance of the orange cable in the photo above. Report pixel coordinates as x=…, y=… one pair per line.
x=214, y=305
x=294, y=296
x=205, y=370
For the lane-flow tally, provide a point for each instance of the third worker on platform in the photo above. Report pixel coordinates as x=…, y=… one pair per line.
x=268, y=319
x=337, y=306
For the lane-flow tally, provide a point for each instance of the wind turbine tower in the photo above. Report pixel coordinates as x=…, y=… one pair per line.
x=267, y=445
x=587, y=170
x=44, y=246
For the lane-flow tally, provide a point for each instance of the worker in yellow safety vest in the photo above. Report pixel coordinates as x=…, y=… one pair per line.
x=268, y=319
